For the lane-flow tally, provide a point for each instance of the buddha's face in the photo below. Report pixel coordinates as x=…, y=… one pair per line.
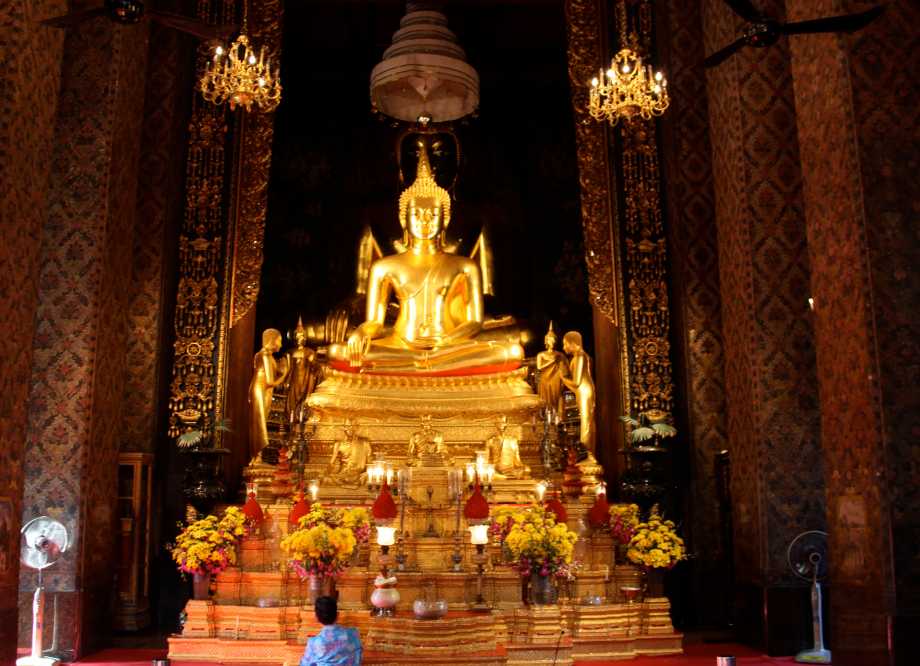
x=549, y=341
x=424, y=218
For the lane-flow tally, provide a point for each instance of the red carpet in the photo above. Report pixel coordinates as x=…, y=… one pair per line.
x=698, y=654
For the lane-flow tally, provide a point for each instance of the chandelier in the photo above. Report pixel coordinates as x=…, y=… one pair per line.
x=239, y=76
x=630, y=87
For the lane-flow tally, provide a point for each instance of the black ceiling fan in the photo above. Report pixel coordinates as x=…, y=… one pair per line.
x=129, y=12
x=762, y=31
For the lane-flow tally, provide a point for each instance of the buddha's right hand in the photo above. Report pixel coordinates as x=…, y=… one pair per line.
x=358, y=343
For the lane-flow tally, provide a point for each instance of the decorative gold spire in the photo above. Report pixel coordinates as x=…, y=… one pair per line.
x=424, y=187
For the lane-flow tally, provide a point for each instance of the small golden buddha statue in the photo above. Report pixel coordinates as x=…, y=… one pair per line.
x=581, y=384
x=266, y=377
x=303, y=375
x=439, y=328
x=427, y=447
x=552, y=366
x=350, y=458
x=505, y=454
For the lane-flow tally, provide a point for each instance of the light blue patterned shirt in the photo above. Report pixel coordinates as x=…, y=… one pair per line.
x=334, y=645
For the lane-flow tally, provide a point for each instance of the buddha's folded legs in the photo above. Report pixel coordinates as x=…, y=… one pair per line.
x=473, y=354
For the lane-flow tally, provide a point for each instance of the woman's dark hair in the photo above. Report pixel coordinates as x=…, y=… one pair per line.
x=327, y=610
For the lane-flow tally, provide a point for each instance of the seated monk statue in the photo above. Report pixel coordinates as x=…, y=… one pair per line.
x=350, y=458
x=439, y=328
x=505, y=453
x=426, y=447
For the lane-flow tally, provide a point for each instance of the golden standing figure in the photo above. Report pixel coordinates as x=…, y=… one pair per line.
x=350, y=458
x=304, y=371
x=505, y=453
x=581, y=384
x=553, y=366
x=265, y=378
x=439, y=329
x=427, y=447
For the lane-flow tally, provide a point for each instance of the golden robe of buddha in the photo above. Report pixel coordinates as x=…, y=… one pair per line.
x=439, y=329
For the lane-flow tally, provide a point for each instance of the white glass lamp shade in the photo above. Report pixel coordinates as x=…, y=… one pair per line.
x=479, y=535
x=386, y=536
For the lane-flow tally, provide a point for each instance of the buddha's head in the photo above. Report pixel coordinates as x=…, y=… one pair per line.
x=271, y=339
x=571, y=342
x=349, y=428
x=424, y=218
x=550, y=338
x=424, y=206
x=300, y=333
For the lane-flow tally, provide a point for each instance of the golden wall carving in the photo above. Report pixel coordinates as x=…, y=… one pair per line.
x=646, y=258
x=642, y=268
x=220, y=242
x=256, y=132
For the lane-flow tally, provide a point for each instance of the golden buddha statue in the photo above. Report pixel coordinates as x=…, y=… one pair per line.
x=552, y=366
x=265, y=378
x=350, y=457
x=581, y=384
x=303, y=374
x=439, y=329
x=505, y=454
x=427, y=447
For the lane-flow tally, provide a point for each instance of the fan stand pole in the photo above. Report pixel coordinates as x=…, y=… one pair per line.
x=38, y=608
x=818, y=654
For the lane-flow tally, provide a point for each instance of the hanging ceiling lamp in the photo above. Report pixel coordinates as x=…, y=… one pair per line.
x=238, y=76
x=629, y=87
x=424, y=74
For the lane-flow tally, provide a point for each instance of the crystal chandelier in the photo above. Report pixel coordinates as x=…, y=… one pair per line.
x=630, y=87
x=239, y=76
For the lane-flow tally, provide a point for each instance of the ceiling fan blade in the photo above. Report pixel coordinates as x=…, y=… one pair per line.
x=193, y=27
x=724, y=53
x=842, y=23
x=68, y=20
x=744, y=9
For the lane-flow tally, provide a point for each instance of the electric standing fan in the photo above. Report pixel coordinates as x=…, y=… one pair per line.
x=807, y=556
x=43, y=541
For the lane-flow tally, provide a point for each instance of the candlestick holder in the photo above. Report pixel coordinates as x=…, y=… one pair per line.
x=430, y=531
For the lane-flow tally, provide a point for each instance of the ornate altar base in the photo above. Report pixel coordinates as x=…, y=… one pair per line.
x=260, y=611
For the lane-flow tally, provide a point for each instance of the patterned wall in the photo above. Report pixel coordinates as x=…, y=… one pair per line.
x=857, y=99
x=771, y=392
x=691, y=211
x=158, y=206
x=79, y=341
x=29, y=78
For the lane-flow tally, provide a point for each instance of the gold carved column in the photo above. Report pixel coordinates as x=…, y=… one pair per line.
x=625, y=241
x=587, y=48
x=220, y=244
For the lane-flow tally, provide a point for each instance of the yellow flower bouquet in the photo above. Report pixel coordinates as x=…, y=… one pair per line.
x=321, y=550
x=325, y=539
x=534, y=543
x=207, y=545
x=656, y=545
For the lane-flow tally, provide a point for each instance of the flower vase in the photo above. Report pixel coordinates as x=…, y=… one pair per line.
x=654, y=583
x=201, y=586
x=525, y=589
x=543, y=590
x=320, y=586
